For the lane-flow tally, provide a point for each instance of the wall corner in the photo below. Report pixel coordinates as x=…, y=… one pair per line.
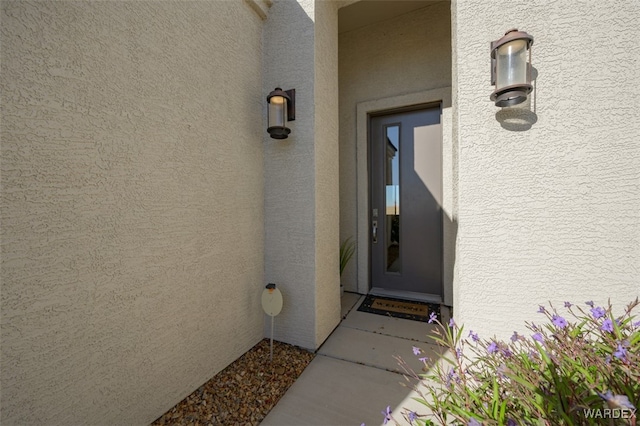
x=261, y=7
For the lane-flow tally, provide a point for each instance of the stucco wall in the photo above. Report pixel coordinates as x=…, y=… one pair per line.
x=288, y=165
x=553, y=212
x=402, y=56
x=132, y=204
x=301, y=198
x=327, y=170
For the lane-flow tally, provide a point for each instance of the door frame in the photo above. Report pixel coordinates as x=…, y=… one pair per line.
x=398, y=103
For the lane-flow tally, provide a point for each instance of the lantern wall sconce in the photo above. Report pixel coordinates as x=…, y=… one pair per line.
x=282, y=108
x=510, y=71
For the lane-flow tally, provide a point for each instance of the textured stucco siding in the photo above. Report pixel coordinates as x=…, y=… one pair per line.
x=301, y=194
x=327, y=170
x=551, y=213
x=401, y=56
x=132, y=204
x=288, y=172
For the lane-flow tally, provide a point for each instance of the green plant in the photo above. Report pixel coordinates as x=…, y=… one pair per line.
x=582, y=370
x=347, y=249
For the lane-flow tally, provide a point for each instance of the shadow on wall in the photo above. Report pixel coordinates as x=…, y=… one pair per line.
x=521, y=117
x=449, y=249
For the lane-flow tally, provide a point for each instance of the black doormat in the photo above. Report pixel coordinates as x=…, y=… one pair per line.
x=398, y=308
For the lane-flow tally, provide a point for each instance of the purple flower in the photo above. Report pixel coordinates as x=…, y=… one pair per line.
x=507, y=353
x=567, y=304
x=387, y=414
x=607, y=325
x=616, y=401
x=621, y=352
x=432, y=317
x=589, y=303
x=597, y=312
x=423, y=359
x=541, y=309
x=474, y=336
x=558, y=321
x=458, y=353
x=452, y=323
x=511, y=422
x=473, y=422
x=515, y=336
x=416, y=351
x=538, y=337
x=636, y=324
x=493, y=347
x=450, y=375
x=412, y=416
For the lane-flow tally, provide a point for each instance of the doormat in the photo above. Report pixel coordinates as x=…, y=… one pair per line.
x=398, y=308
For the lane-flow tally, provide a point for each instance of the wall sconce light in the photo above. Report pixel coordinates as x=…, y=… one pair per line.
x=510, y=72
x=282, y=108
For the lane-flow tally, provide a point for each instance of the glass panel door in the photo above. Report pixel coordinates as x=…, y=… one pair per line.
x=406, y=193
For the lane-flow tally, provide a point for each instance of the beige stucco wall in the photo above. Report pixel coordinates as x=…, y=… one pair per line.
x=301, y=182
x=553, y=212
x=327, y=183
x=403, y=59
x=132, y=204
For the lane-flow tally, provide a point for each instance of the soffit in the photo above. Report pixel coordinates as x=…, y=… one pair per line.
x=357, y=14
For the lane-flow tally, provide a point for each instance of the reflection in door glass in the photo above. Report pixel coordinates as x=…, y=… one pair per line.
x=392, y=196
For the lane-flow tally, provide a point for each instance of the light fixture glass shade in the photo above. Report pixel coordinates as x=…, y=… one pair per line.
x=511, y=64
x=277, y=111
x=510, y=70
x=278, y=107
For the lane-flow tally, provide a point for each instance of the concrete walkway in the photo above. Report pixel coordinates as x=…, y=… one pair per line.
x=354, y=375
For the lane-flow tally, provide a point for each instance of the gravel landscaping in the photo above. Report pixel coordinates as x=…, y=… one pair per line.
x=244, y=392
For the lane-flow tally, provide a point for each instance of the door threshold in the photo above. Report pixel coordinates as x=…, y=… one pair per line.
x=406, y=295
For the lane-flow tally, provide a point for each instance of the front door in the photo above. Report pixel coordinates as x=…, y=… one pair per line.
x=406, y=199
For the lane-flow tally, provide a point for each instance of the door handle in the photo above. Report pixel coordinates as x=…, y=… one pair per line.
x=374, y=226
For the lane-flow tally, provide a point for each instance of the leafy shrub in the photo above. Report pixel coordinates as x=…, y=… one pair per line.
x=579, y=368
x=347, y=249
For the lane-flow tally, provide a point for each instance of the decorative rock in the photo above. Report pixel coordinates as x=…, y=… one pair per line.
x=245, y=391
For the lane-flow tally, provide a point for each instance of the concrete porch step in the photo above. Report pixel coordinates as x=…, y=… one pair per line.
x=397, y=327
x=376, y=350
